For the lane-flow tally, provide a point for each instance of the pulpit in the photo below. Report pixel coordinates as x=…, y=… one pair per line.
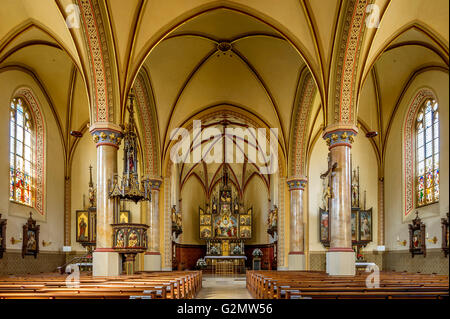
x=129, y=240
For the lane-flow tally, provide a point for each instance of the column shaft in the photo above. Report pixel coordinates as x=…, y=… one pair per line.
x=106, y=168
x=106, y=261
x=152, y=258
x=340, y=257
x=296, y=240
x=341, y=206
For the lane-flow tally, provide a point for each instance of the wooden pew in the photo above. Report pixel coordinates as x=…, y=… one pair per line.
x=148, y=285
x=301, y=284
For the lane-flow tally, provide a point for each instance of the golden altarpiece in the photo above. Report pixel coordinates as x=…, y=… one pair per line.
x=225, y=226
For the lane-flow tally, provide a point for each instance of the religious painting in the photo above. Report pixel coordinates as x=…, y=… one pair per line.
x=124, y=217
x=445, y=242
x=30, y=241
x=324, y=229
x=245, y=220
x=225, y=226
x=120, y=239
x=417, y=245
x=245, y=232
x=133, y=239
x=416, y=240
x=82, y=233
x=205, y=232
x=205, y=220
x=354, y=225
x=2, y=235
x=365, y=225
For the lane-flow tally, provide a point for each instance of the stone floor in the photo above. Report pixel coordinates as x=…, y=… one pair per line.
x=224, y=287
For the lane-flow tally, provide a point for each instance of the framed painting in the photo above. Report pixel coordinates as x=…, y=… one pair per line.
x=445, y=243
x=30, y=239
x=354, y=225
x=365, y=225
x=245, y=232
x=225, y=226
x=124, y=217
x=2, y=236
x=82, y=225
x=245, y=220
x=324, y=227
x=417, y=244
x=205, y=232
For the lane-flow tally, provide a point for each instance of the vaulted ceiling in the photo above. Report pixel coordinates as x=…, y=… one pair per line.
x=224, y=57
x=265, y=46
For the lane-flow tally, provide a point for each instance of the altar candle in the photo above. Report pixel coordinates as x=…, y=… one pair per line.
x=398, y=238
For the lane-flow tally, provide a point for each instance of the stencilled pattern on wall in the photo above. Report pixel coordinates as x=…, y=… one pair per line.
x=347, y=61
x=39, y=147
x=281, y=227
x=167, y=226
x=301, y=116
x=408, y=129
x=95, y=37
x=147, y=119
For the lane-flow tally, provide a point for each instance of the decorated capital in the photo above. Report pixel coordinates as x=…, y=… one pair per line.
x=297, y=183
x=340, y=136
x=106, y=134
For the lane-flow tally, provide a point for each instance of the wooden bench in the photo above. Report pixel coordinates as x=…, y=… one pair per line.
x=145, y=285
x=314, y=284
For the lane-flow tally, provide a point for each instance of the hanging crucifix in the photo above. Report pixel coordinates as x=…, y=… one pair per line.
x=327, y=193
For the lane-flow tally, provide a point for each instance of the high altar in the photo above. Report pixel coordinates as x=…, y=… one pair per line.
x=225, y=226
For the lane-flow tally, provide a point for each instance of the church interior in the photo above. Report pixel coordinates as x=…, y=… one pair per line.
x=292, y=148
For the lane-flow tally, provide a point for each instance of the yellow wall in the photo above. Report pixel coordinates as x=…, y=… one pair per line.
x=52, y=224
x=395, y=223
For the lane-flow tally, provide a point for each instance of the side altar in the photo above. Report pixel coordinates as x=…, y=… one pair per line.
x=225, y=226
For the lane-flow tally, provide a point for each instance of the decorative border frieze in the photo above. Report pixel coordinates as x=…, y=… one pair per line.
x=95, y=38
x=347, y=61
x=39, y=147
x=299, y=134
x=148, y=123
x=409, y=165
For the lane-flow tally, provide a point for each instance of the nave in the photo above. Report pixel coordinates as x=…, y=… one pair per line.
x=181, y=149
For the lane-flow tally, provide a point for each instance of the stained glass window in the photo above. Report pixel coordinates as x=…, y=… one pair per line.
x=21, y=184
x=427, y=154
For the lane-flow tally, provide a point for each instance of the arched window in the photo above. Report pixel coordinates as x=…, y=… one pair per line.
x=21, y=159
x=427, y=153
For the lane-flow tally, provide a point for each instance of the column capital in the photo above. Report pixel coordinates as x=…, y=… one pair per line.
x=339, y=135
x=153, y=182
x=106, y=134
x=297, y=183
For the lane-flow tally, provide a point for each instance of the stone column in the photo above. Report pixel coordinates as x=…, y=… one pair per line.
x=296, y=259
x=107, y=136
x=152, y=257
x=340, y=257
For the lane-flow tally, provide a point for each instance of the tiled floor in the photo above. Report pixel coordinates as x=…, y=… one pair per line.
x=214, y=287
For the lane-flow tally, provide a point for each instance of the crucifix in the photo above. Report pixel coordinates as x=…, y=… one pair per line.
x=327, y=194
